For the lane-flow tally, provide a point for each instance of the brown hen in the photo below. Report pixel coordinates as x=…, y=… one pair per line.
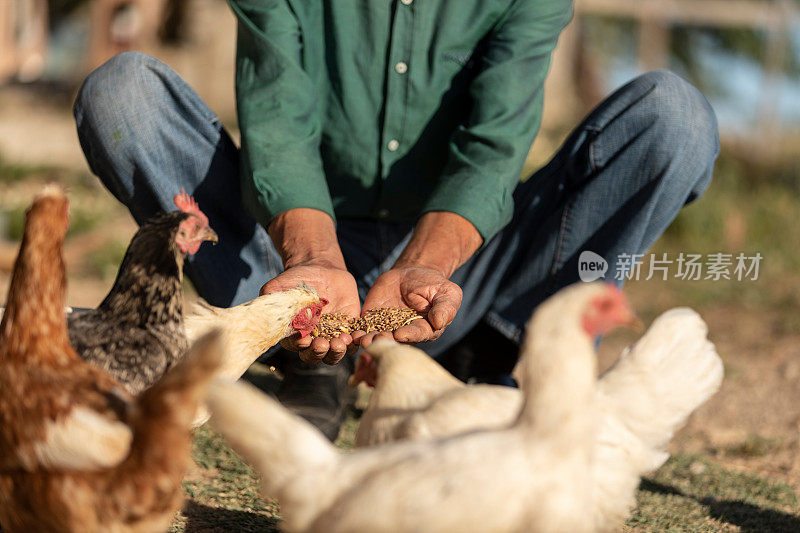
x=76, y=452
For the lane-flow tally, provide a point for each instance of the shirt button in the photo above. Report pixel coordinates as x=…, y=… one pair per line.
x=406, y=2
x=393, y=145
x=383, y=213
x=401, y=67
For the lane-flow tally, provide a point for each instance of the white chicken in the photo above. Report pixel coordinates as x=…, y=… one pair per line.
x=641, y=401
x=250, y=329
x=405, y=381
x=532, y=475
x=253, y=327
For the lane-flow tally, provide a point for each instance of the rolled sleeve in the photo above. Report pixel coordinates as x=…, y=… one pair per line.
x=278, y=110
x=487, y=152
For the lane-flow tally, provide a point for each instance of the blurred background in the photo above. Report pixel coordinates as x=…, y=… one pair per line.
x=743, y=54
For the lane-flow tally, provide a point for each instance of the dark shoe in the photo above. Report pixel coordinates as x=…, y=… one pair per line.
x=484, y=355
x=319, y=394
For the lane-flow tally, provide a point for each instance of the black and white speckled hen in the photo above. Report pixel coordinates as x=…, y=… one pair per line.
x=137, y=332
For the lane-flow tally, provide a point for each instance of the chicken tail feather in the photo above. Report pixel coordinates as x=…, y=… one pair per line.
x=671, y=371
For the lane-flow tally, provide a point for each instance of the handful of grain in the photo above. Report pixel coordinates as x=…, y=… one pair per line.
x=384, y=319
x=334, y=324
x=387, y=319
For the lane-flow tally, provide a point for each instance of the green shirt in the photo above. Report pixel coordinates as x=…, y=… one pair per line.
x=388, y=109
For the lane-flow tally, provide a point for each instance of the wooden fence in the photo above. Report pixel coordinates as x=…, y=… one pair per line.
x=655, y=18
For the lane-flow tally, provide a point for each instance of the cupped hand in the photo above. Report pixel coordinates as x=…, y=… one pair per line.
x=335, y=285
x=426, y=290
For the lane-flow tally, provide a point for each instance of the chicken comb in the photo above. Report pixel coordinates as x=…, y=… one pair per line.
x=187, y=204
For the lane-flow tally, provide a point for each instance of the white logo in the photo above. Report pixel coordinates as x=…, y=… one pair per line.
x=591, y=266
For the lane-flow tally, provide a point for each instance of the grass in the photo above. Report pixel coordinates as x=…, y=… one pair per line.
x=743, y=211
x=753, y=446
x=92, y=214
x=223, y=494
x=104, y=261
x=691, y=493
x=14, y=172
x=86, y=213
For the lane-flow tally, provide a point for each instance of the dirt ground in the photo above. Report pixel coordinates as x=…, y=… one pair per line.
x=753, y=422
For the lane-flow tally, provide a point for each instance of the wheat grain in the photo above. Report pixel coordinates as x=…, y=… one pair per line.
x=383, y=319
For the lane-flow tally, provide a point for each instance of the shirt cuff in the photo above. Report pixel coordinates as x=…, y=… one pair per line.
x=264, y=203
x=487, y=205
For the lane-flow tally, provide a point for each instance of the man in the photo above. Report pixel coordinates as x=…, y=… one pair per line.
x=382, y=143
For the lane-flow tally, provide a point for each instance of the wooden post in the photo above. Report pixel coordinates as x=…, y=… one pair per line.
x=775, y=57
x=23, y=38
x=120, y=25
x=32, y=35
x=7, y=48
x=654, y=38
x=717, y=13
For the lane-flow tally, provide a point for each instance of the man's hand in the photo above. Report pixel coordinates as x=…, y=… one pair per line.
x=306, y=240
x=425, y=290
x=335, y=285
x=441, y=243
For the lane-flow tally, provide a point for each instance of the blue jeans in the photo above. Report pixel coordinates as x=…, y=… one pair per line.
x=613, y=188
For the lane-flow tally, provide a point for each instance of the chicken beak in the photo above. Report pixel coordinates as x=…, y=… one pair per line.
x=210, y=235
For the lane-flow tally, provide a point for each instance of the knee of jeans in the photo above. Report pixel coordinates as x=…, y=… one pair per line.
x=682, y=112
x=685, y=123
x=117, y=90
